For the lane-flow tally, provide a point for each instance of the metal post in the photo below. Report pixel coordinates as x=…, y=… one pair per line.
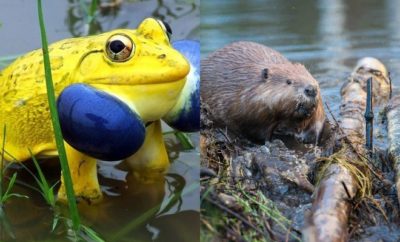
x=369, y=118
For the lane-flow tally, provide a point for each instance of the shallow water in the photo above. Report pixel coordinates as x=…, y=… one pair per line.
x=167, y=210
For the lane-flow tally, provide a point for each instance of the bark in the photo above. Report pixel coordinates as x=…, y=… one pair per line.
x=393, y=117
x=346, y=173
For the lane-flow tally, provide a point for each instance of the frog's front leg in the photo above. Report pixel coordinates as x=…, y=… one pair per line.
x=84, y=177
x=151, y=161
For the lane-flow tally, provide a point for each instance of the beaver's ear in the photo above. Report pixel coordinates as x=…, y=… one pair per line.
x=265, y=73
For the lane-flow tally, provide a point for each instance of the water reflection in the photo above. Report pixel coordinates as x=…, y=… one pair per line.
x=182, y=15
x=130, y=207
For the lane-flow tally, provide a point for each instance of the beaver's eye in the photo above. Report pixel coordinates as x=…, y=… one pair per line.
x=264, y=73
x=120, y=48
x=167, y=29
x=289, y=82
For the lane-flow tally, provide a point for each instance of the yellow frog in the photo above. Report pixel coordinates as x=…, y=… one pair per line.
x=139, y=68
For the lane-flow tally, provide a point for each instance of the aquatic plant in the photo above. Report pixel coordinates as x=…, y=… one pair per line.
x=183, y=138
x=246, y=215
x=56, y=124
x=7, y=194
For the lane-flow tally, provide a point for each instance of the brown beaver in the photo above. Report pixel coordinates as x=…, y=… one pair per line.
x=255, y=92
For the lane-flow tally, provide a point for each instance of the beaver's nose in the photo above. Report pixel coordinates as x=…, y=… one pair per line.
x=310, y=91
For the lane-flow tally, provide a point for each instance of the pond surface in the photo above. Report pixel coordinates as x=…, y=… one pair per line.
x=328, y=37
x=167, y=210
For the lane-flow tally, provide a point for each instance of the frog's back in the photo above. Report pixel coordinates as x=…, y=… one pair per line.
x=23, y=104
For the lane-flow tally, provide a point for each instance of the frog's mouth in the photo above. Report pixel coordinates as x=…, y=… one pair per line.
x=122, y=82
x=150, y=101
x=141, y=69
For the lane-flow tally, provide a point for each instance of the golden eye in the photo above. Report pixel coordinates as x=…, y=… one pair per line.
x=120, y=48
x=167, y=29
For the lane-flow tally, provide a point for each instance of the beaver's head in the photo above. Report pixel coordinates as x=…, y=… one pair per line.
x=291, y=99
x=290, y=90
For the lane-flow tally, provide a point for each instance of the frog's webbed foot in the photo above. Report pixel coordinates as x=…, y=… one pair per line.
x=185, y=115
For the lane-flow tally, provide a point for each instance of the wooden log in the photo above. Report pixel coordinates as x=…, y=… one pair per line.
x=393, y=117
x=346, y=173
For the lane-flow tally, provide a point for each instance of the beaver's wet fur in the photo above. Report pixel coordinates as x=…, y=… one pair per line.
x=255, y=92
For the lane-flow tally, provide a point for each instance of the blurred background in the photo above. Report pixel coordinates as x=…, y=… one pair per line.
x=19, y=31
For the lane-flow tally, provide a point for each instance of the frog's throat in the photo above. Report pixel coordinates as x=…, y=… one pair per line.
x=151, y=102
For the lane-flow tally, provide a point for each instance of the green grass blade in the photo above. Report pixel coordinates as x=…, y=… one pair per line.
x=184, y=139
x=5, y=224
x=46, y=190
x=92, y=11
x=42, y=178
x=83, y=6
x=15, y=195
x=8, y=193
x=42, y=182
x=56, y=219
x=56, y=125
x=89, y=234
x=40, y=190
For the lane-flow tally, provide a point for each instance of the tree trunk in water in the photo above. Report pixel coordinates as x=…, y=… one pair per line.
x=345, y=173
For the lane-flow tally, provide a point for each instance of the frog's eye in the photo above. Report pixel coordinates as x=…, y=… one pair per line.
x=167, y=29
x=120, y=48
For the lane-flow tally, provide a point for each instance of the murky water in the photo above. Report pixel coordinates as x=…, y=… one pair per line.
x=167, y=210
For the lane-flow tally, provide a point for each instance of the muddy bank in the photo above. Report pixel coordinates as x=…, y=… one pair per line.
x=263, y=192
